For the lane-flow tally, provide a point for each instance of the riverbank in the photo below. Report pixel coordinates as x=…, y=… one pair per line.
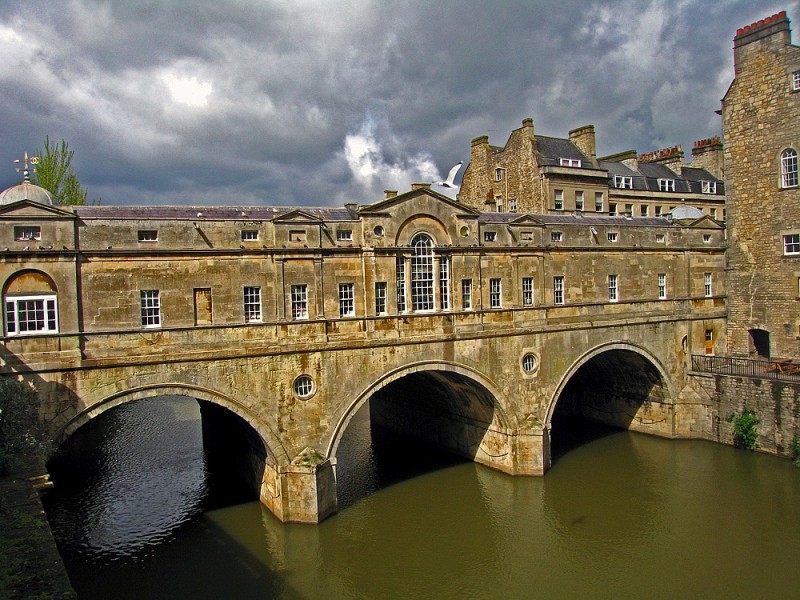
x=30, y=566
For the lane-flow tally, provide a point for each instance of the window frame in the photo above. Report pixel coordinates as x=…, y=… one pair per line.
x=613, y=288
x=708, y=187
x=251, y=301
x=612, y=237
x=707, y=285
x=789, y=171
x=558, y=290
x=662, y=286
x=344, y=235
x=556, y=236
x=570, y=162
x=423, y=296
x=466, y=294
x=527, y=291
x=495, y=293
x=795, y=85
x=381, y=296
x=444, y=282
x=249, y=235
x=791, y=244
x=400, y=282
x=147, y=236
x=599, y=201
x=298, y=293
x=46, y=314
x=21, y=231
x=623, y=182
x=579, y=200
x=558, y=199
x=489, y=236
x=666, y=184
x=150, y=308
x=347, y=300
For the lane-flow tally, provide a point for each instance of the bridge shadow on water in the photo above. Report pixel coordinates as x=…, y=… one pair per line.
x=570, y=432
x=372, y=458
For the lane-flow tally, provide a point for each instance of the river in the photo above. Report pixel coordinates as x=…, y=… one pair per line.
x=136, y=514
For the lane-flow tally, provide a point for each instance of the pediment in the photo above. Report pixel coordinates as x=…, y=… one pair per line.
x=27, y=209
x=420, y=197
x=297, y=217
x=706, y=222
x=526, y=220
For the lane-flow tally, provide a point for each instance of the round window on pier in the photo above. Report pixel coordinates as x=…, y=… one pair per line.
x=530, y=364
x=304, y=387
x=378, y=231
x=465, y=231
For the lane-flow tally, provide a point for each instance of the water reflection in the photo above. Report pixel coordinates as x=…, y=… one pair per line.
x=623, y=516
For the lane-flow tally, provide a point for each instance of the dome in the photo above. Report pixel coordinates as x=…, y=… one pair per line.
x=685, y=212
x=26, y=191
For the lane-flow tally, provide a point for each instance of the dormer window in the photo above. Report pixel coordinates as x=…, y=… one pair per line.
x=623, y=182
x=148, y=235
x=708, y=187
x=570, y=162
x=796, y=81
x=27, y=233
x=666, y=185
x=344, y=235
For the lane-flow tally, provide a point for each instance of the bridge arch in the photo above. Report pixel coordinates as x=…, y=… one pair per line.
x=485, y=403
x=271, y=441
x=631, y=382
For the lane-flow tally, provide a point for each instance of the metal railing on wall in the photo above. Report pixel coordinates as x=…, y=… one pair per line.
x=778, y=368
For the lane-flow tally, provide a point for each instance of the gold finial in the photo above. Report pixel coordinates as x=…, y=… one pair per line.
x=34, y=160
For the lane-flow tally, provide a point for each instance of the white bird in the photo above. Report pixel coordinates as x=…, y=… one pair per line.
x=449, y=182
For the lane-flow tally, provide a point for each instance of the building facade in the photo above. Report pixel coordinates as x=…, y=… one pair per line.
x=763, y=196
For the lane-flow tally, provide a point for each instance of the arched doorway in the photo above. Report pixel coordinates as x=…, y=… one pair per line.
x=619, y=386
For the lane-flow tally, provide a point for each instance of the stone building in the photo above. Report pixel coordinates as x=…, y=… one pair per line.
x=761, y=126
x=543, y=174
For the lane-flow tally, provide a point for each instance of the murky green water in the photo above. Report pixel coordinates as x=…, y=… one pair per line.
x=623, y=516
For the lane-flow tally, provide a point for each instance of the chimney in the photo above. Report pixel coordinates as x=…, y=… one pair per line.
x=629, y=158
x=527, y=126
x=420, y=186
x=584, y=139
x=707, y=154
x=388, y=194
x=671, y=157
x=773, y=30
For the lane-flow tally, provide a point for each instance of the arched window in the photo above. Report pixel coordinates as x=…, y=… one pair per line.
x=31, y=305
x=422, y=273
x=789, y=168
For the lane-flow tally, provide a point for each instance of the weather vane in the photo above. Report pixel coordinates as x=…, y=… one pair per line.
x=34, y=160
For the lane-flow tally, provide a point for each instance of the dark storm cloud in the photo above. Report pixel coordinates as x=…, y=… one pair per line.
x=311, y=102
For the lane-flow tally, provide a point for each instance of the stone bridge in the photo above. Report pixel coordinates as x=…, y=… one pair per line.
x=483, y=385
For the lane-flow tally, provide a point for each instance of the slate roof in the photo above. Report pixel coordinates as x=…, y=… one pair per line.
x=646, y=178
x=217, y=213
x=551, y=149
x=583, y=219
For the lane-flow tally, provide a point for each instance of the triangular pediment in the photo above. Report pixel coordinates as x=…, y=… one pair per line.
x=526, y=220
x=706, y=222
x=27, y=209
x=416, y=196
x=297, y=217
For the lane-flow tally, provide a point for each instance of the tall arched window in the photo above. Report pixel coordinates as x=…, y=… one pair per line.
x=789, y=168
x=422, y=273
x=31, y=304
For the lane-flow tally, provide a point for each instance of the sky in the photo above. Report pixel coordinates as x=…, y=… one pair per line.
x=320, y=103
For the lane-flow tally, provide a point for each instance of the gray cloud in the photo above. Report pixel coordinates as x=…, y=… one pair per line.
x=322, y=102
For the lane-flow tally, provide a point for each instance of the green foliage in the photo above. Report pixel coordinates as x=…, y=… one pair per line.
x=744, y=429
x=54, y=173
x=20, y=428
x=796, y=451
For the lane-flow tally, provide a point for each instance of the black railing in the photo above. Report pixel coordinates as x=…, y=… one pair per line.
x=777, y=368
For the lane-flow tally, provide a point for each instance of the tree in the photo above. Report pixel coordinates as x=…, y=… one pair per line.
x=54, y=173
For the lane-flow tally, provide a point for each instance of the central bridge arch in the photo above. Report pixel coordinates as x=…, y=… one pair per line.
x=464, y=411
